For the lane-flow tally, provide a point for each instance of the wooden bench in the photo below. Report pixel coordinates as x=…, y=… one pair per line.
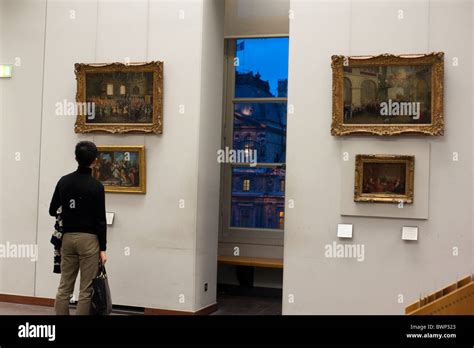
x=250, y=261
x=455, y=299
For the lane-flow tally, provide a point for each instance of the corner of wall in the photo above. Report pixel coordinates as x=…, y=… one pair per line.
x=1, y=132
x=209, y=139
x=472, y=140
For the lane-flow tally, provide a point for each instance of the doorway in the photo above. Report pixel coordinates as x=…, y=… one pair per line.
x=250, y=269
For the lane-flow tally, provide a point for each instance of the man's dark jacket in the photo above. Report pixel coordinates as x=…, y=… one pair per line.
x=82, y=199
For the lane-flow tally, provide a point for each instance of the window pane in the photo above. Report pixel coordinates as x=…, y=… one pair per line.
x=257, y=199
x=261, y=69
x=260, y=129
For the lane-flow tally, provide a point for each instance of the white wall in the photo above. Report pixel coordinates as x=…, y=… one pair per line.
x=208, y=171
x=1, y=127
x=392, y=267
x=22, y=22
x=472, y=153
x=162, y=238
x=256, y=17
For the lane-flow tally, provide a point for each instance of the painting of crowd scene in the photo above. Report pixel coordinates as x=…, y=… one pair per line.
x=120, y=169
x=120, y=97
x=393, y=94
x=384, y=178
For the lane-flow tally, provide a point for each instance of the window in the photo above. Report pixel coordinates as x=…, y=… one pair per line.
x=110, y=89
x=368, y=92
x=246, y=186
x=347, y=91
x=255, y=124
x=282, y=219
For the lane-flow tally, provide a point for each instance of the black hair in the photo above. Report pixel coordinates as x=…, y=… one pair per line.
x=86, y=153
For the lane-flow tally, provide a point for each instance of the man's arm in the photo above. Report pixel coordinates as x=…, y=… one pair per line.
x=101, y=219
x=55, y=202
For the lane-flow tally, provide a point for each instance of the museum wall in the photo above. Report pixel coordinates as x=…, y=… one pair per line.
x=210, y=128
x=393, y=272
x=154, y=241
x=22, y=45
x=472, y=132
x=1, y=133
x=259, y=18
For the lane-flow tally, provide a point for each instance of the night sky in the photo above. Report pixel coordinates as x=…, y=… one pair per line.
x=269, y=57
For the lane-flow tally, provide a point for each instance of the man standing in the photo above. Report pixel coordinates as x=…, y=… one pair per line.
x=84, y=239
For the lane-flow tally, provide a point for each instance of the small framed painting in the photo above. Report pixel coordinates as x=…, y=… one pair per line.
x=121, y=168
x=388, y=94
x=384, y=178
x=119, y=98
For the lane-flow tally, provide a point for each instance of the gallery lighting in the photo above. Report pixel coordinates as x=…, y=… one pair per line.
x=6, y=70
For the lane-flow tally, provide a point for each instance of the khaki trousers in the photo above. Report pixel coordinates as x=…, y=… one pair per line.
x=79, y=251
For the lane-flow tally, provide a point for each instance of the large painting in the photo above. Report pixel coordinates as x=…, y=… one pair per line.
x=388, y=95
x=121, y=168
x=384, y=178
x=119, y=98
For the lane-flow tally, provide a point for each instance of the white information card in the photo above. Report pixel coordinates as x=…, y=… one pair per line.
x=409, y=233
x=344, y=230
x=110, y=218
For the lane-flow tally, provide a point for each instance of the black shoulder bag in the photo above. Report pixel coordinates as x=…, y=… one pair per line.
x=101, y=303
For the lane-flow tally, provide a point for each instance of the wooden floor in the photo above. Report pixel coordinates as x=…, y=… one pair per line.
x=228, y=305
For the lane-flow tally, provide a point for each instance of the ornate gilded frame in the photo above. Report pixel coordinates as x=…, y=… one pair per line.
x=156, y=126
x=142, y=165
x=435, y=59
x=384, y=197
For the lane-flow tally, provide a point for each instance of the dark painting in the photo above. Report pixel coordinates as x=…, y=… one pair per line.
x=120, y=97
x=387, y=178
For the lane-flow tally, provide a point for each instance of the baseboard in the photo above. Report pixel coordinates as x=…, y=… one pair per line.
x=49, y=302
x=203, y=311
x=27, y=300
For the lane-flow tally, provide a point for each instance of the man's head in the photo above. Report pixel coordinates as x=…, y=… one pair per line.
x=86, y=153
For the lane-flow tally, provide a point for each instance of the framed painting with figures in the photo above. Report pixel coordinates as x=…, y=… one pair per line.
x=121, y=168
x=119, y=98
x=388, y=94
x=384, y=178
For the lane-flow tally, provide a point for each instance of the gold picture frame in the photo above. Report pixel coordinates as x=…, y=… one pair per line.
x=384, y=178
x=362, y=94
x=116, y=175
x=132, y=94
